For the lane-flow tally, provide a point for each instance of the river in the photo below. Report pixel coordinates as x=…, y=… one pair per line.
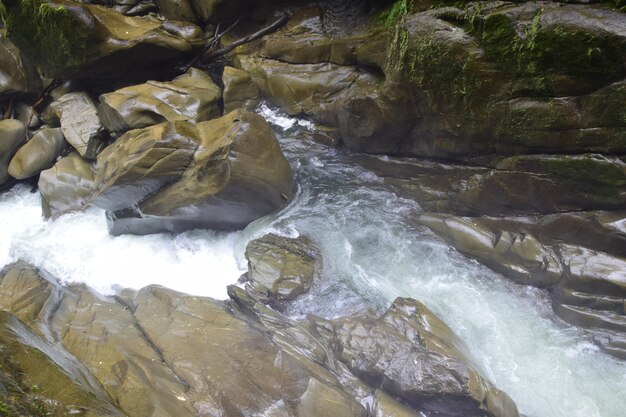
x=373, y=252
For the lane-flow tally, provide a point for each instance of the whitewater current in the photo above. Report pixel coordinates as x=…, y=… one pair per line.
x=372, y=252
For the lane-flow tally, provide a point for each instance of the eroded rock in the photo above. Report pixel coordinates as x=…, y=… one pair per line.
x=405, y=356
x=192, y=96
x=67, y=186
x=18, y=77
x=281, y=267
x=239, y=90
x=42, y=379
x=228, y=172
x=68, y=39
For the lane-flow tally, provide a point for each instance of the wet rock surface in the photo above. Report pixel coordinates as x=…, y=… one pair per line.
x=192, y=96
x=221, y=174
x=80, y=124
x=18, y=77
x=38, y=154
x=124, y=353
x=67, y=186
x=504, y=121
x=283, y=268
x=13, y=136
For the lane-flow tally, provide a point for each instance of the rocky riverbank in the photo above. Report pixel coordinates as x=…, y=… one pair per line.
x=504, y=121
x=158, y=352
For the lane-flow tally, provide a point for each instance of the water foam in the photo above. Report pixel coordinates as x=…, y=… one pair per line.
x=78, y=248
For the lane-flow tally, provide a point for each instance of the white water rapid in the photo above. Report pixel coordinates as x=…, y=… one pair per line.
x=372, y=254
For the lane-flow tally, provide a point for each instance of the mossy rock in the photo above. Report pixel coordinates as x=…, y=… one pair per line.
x=68, y=39
x=50, y=29
x=554, y=50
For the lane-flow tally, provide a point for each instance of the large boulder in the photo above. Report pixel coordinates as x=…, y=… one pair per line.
x=80, y=124
x=67, y=186
x=413, y=355
x=192, y=96
x=18, y=77
x=282, y=267
x=220, y=174
x=131, y=344
x=38, y=154
x=491, y=77
x=103, y=335
x=12, y=136
x=68, y=39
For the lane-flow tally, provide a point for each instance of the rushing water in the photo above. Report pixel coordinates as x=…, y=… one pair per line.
x=372, y=254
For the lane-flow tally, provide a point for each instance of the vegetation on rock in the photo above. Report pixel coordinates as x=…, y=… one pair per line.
x=53, y=35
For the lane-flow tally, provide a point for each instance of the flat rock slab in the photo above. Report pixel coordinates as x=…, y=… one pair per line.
x=80, y=123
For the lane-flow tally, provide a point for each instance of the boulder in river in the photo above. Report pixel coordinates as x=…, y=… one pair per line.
x=38, y=154
x=411, y=354
x=220, y=174
x=67, y=186
x=242, y=355
x=12, y=136
x=192, y=96
x=282, y=267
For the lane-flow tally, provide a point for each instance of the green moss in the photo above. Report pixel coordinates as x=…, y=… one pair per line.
x=539, y=52
x=598, y=176
x=391, y=15
x=49, y=34
x=3, y=13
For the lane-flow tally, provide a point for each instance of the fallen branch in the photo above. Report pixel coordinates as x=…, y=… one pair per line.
x=210, y=45
x=268, y=29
